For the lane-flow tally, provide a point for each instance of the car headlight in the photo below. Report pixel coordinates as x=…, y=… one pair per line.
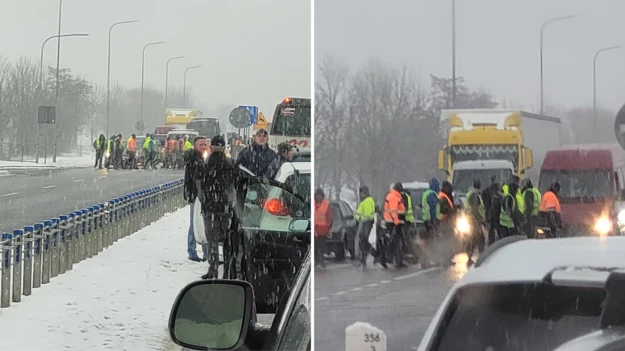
x=603, y=226
x=462, y=225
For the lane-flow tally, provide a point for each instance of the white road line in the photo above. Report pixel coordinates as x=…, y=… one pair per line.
x=321, y=298
x=356, y=289
x=100, y=177
x=79, y=180
x=385, y=282
x=49, y=187
x=340, y=293
x=372, y=285
x=418, y=273
x=9, y=194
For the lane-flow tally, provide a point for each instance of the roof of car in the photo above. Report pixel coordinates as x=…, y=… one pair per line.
x=287, y=169
x=532, y=260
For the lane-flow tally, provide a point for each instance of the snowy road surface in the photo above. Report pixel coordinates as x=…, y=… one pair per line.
x=399, y=302
x=62, y=162
x=26, y=200
x=118, y=300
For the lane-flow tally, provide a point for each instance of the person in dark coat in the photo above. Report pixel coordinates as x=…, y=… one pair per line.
x=100, y=148
x=218, y=198
x=492, y=202
x=193, y=174
x=258, y=156
x=285, y=154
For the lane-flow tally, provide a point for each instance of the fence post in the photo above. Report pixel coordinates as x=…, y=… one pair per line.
x=45, y=275
x=70, y=238
x=28, y=238
x=78, y=237
x=88, y=212
x=37, y=269
x=106, y=239
x=63, y=235
x=123, y=223
x=5, y=286
x=96, y=230
x=17, y=265
x=56, y=243
x=101, y=226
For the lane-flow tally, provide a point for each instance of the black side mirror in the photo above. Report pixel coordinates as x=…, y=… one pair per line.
x=212, y=314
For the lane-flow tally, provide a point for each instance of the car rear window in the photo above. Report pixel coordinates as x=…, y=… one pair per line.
x=519, y=317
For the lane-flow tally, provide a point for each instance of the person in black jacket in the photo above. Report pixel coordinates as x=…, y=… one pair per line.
x=258, y=156
x=218, y=198
x=285, y=154
x=492, y=203
x=100, y=148
x=193, y=173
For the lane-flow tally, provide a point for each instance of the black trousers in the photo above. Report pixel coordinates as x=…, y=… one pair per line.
x=99, y=155
x=363, y=235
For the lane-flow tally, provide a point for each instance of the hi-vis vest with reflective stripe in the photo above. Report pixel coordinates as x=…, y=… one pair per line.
x=442, y=195
x=505, y=219
x=520, y=201
x=481, y=209
x=409, y=214
x=108, y=146
x=537, y=198
x=146, y=143
x=425, y=205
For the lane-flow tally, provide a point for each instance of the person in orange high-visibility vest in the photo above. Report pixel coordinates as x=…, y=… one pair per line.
x=131, y=151
x=323, y=223
x=549, y=210
x=446, y=223
x=394, y=208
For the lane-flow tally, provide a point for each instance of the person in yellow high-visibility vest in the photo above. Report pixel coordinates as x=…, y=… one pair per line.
x=365, y=215
x=477, y=212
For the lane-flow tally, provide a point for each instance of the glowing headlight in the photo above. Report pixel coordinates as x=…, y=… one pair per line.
x=603, y=226
x=462, y=225
x=540, y=231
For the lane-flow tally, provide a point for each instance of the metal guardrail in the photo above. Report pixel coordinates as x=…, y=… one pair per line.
x=32, y=256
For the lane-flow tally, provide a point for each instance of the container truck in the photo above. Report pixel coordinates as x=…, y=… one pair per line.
x=485, y=142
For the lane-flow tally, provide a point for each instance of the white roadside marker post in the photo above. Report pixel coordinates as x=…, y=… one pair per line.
x=364, y=337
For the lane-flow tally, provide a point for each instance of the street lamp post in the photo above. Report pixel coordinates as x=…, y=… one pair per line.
x=143, y=70
x=58, y=62
x=453, y=53
x=184, y=85
x=108, y=74
x=167, y=77
x=542, y=32
x=594, y=86
x=43, y=47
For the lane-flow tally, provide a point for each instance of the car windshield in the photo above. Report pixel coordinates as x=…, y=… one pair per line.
x=519, y=317
x=300, y=184
x=463, y=179
x=578, y=185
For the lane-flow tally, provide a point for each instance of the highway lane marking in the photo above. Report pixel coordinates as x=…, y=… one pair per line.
x=49, y=187
x=100, y=177
x=401, y=277
x=79, y=180
x=9, y=194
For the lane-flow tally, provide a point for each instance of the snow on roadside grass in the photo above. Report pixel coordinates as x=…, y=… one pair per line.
x=118, y=300
x=65, y=161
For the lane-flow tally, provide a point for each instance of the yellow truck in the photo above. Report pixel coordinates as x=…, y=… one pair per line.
x=486, y=142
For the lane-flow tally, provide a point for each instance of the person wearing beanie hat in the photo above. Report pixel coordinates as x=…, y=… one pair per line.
x=194, y=169
x=258, y=156
x=323, y=223
x=285, y=154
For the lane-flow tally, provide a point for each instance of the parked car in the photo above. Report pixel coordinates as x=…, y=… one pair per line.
x=276, y=235
x=342, y=234
x=219, y=315
x=526, y=294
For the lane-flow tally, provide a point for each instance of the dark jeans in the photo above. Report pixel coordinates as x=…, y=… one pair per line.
x=320, y=249
x=364, y=228
x=216, y=226
x=99, y=155
x=493, y=232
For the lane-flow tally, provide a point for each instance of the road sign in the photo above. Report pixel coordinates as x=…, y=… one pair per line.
x=261, y=122
x=363, y=336
x=46, y=115
x=619, y=127
x=140, y=126
x=253, y=112
x=239, y=117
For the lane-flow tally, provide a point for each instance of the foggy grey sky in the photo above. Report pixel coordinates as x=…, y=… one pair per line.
x=497, y=44
x=252, y=52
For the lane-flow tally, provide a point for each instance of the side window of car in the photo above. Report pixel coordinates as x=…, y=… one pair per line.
x=296, y=334
x=337, y=214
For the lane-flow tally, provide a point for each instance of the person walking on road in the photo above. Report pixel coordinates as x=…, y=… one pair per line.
x=365, y=216
x=147, y=150
x=531, y=198
x=193, y=175
x=131, y=150
x=492, y=204
x=99, y=146
x=477, y=212
x=323, y=223
x=258, y=156
x=394, y=213
x=285, y=154
x=218, y=198
x=510, y=219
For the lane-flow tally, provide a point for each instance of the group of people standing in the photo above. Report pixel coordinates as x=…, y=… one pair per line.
x=515, y=208
x=217, y=181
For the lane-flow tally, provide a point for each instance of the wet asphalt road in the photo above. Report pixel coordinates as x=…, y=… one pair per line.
x=29, y=199
x=399, y=302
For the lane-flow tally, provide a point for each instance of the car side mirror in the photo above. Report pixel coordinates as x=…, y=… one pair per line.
x=212, y=314
x=299, y=225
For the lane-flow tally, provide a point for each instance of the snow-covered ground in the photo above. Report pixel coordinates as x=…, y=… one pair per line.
x=62, y=161
x=118, y=300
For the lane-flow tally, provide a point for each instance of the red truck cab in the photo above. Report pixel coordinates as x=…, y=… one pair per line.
x=591, y=181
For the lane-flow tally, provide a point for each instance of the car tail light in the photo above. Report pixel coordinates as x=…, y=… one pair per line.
x=276, y=207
